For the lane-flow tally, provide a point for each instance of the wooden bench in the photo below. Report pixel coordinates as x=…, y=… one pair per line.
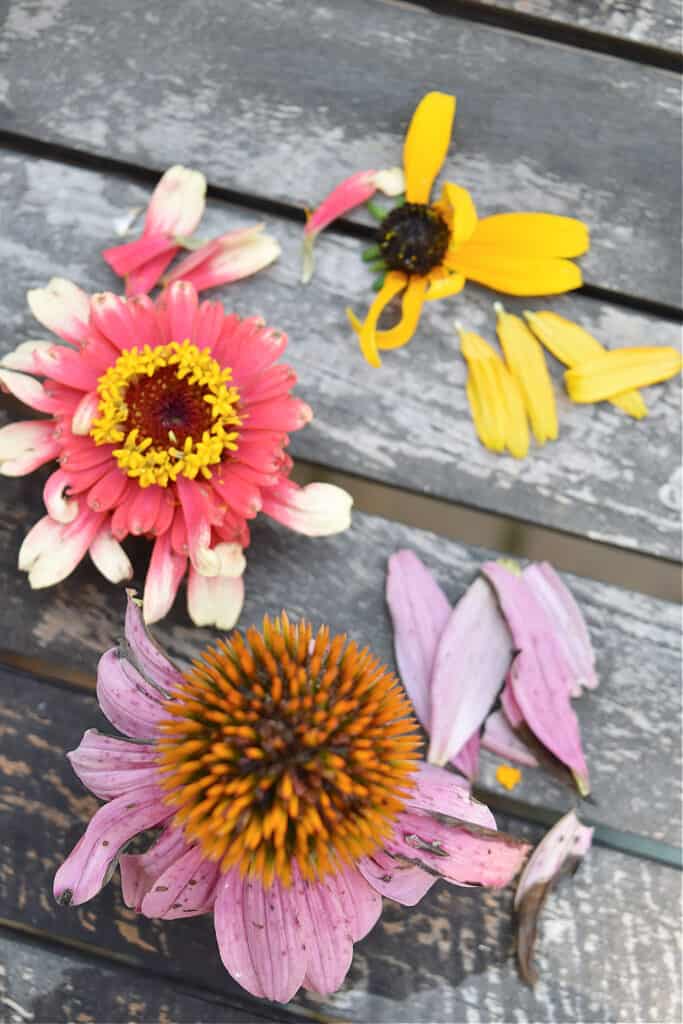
x=276, y=102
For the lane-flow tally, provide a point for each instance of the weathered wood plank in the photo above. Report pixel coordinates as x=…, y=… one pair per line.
x=608, y=477
x=449, y=959
x=284, y=99
x=626, y=723
x=655, y=22
x=48, y=985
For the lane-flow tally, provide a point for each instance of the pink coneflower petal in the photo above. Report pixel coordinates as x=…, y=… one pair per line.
x=185, y=889
x=156, y=667
x=214, y=600
x=128, y=701
x=140, y=872
x=500, y=738
x=109, y=557
x=395, y=878
x=361, y=904
x=63, y=308
x=440, y=791
x=317, y=510
x=419, y=610
x=472, y=658
x=89, y=865
x=261, y=937
x=467, y=758
x=109, y=766
x=164, y=575
x=330, y=946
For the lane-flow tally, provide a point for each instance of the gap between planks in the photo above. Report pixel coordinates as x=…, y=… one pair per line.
x=539, y=27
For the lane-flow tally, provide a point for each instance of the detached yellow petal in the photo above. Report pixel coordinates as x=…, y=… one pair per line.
x=525, y=359
x=507, y=273
x=411, y=308
x=443, y=287
x=572, y=345
x=426, y=144
x=508, y=776
x=620, y=370
x=460, y=211
x=367, y=334
x=534, y=235
x=494, y=397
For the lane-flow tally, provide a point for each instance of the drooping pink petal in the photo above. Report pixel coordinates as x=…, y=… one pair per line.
x=186, y=888
x=559, y=853
x=317, y=510
x=228, y=258
x=459, y=851
x=540, y=676
x=419, y=612
x=467, y=758
x=63, y=308
x=28, y=390
x=196, y=510
x=395, y=878
x=330, y=942
x=91, y=863
x=214, y=600
x=472, y=658
x=155, y=666
x=109, y=557
x=164, y=575
x=141, y=871
x=362, y=905
x=349, y=194
x=110, y=766
x=51, y=551
x=500, y=738
x=568, y=622
x=261, y=937
x=438, y=790
x=25, y=445
x=126, y=698
x=59, y=507
x=510, y=707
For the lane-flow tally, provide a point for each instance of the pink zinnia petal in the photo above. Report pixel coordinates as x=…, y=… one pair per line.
x=28, y=390
x=62, y=307
x=86, y=413
x=500, y=738
x=112, y=316
x=559, y=853
x=164, y=575
x=349, y=194
x=23, y=357
x=26, y=445
x=181, y=304
x=419, y=611
x=59, y=507
x=140, y=872
x=471, y=661
x=51, y=551
x=126, y=699
x=229, y=258
x=142, y=280
x=195, y=508
x=91, y=862
x=109, y=557
x=109, y=766
x=396, y=878
x=317, y=510
x=185, y=889
x=130, y=256
x=214, y=600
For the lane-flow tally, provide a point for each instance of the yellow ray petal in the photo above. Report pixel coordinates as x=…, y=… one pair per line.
x=461, y=213
x=393, y=284
x=411, y=308
x=534, y=234
x=524, y=356
x=514, y=276
x=620, y=370
x=494, y=397
x=442, y=287
x=426, y=144
x=516, y=426
x=571, y=344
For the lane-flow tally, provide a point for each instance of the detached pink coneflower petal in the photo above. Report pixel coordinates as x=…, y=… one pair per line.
x=185, y=889
x=467, y=758
x=395, y=878
x=110, y=766
x=317, y=510
x=228, y=258
x=500, y=738
x=345, y=197
x=92, y=861
x=472, y=658
x=559, y=853
x=63, y=308
x=441, y=791
x=419, y=611
x=127, y=700
x=141, y=871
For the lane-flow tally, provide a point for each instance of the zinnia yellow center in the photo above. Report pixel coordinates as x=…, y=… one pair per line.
x=287, y=747
x=171, y=411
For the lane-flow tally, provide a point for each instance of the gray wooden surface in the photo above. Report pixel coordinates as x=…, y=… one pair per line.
x=608, y=949
x=409, y=423
x=626, y=723
x=540, y=125
x=655, y=22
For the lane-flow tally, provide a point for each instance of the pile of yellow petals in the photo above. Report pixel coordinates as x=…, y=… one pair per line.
x=506, y=395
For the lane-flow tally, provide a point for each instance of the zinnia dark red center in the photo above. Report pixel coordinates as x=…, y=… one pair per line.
x=166, y=409
x=413, y=238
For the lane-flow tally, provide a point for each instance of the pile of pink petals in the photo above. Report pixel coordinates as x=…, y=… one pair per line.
x=517, y=636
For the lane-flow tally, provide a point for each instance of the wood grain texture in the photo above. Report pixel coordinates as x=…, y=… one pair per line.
x=283, y=99
x=607, y=478
x=607, y=953
x=628, y=721
x=656, y=22
x=49, y=985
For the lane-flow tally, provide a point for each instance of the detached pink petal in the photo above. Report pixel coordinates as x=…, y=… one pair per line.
x=228, y=258
x=471, y=661
x=63, y=308
x=109, y=766
x=500, y=738
x=540, y=676
x=559, y=853
x=419, y=612
x=395, y=878
x=467, y=758
x=345, y=197
x=568, y=622
x=442, y=792
x=317, y=510
x=92, y=861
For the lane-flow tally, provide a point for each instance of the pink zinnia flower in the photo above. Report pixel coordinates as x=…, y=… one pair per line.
x=283, y=773
x=169, y=419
